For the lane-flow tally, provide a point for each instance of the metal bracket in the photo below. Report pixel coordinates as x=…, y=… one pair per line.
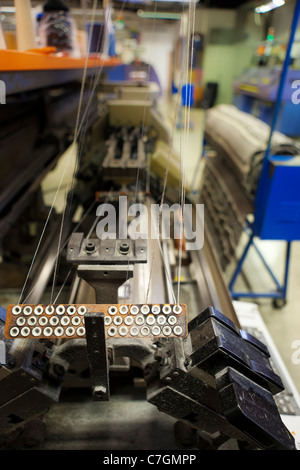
x=105, y=280
x=96, y=251
x=105, y=264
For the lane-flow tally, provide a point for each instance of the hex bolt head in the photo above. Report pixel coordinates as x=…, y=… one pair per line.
x=90, y=247
x=124, y=248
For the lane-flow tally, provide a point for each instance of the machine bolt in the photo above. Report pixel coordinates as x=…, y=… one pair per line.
x=58, y=369
x=188, y=363
x=124, y=248
x=90, y=247
x=12, y=361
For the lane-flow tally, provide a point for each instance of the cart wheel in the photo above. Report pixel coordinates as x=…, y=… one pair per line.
x=279, y=303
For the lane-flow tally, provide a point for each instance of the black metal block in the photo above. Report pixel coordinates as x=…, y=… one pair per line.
x=97, y=355
x=216, y=343
x=252, y=409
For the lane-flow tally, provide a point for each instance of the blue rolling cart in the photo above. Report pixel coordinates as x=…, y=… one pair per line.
x=277, y=202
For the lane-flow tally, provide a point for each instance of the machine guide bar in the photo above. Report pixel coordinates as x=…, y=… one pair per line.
x=97, y=355
x=120, y=320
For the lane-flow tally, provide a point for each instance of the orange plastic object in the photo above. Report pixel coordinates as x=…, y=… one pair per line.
x=48, y=59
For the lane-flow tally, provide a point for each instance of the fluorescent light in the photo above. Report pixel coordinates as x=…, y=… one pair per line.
x=158, y=15
x=178, y=1
x=7, y=9
x=270, y=6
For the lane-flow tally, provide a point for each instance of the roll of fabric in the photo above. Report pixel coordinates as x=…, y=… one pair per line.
x=241, y=140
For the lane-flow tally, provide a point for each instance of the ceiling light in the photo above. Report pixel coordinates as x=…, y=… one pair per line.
x=270, y=6
x=158, y=15
x=178, y=1
x=7, y=9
